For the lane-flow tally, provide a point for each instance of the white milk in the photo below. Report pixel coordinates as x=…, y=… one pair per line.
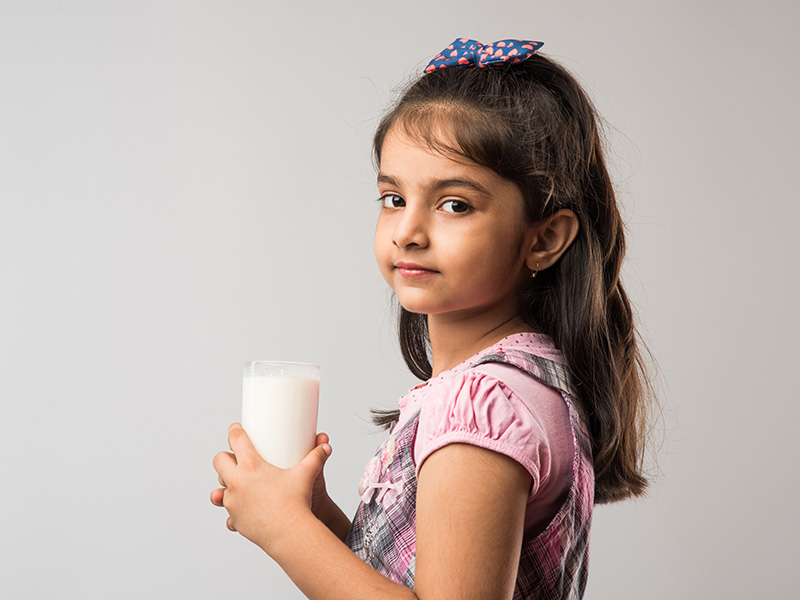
x=279, y=413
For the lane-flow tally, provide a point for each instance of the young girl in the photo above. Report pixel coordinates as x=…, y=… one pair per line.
x=501, y=237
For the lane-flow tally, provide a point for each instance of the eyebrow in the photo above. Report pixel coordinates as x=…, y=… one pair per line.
x=438, y=184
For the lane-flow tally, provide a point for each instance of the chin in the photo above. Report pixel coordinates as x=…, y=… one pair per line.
x=415, y=305
x=415, y=308
x=424, y=308
x=421, y=301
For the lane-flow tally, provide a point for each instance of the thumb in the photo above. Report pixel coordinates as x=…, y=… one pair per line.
x=315, y=460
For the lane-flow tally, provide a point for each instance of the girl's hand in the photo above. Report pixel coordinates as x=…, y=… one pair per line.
x=319, y=494
x=323, y=507
x=263, y=501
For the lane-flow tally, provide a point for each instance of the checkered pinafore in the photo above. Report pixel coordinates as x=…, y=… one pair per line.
x=553, y=565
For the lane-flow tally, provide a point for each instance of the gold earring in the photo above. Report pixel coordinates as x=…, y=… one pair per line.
x=535, y=271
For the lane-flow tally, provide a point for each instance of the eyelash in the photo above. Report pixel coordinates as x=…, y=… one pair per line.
x=467, y=208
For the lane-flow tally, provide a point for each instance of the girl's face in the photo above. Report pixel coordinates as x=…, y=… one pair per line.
x=451, y=234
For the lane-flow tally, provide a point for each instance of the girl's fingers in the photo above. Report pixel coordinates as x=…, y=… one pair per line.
x=216, y=500
x=314, y=461
x=222, y=462
x=216, y=497
x=240, y=443
x=322, y=438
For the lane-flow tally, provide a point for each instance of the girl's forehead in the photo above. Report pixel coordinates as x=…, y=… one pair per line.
x=435, y=136
x=412, y=162
x=402, y=147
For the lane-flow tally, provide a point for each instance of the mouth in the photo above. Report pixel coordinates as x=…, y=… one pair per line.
x=413, y=270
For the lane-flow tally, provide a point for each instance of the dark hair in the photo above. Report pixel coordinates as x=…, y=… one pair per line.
x=533, y=125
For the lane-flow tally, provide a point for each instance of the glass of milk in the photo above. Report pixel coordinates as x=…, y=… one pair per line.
x=279, y=409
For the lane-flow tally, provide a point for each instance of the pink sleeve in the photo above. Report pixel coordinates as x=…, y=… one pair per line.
x=478, y=409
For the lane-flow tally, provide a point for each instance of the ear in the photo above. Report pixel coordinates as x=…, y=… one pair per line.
x=547, y=240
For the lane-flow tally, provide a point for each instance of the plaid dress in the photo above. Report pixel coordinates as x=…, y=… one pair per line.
x=553, y=565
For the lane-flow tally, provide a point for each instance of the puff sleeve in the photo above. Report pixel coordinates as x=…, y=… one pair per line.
x=478, y=409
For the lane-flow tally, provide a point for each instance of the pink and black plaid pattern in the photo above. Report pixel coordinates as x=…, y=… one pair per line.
x=383, y=533
x=553, y=565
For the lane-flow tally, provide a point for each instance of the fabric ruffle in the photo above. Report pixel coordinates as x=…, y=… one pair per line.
x=477, y=409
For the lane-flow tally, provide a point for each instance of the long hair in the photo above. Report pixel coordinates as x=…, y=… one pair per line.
x=533, y=125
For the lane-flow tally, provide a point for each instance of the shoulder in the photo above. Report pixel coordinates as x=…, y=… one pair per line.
x=493, y=406
x=544, y=402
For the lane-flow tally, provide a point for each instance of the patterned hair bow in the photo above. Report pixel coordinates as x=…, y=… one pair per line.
x=464, y=52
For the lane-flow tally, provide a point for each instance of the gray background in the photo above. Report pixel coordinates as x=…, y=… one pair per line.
x=186, y=185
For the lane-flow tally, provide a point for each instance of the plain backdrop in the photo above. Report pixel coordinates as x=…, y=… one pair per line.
x=186, y=185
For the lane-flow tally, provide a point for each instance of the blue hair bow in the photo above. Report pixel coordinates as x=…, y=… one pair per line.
x=464, y=52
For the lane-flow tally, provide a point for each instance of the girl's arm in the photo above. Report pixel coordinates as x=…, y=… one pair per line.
x=470, y=513
x=332, y=517
x=470, y=519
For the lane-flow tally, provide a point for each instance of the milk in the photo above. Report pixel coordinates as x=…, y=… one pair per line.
x=279, y=414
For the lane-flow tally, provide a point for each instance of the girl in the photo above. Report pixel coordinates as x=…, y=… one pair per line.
x=501, y=237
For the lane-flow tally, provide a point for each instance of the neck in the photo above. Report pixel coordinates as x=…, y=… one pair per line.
x=454, y=338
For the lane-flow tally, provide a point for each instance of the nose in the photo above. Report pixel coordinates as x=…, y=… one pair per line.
x=410, y=228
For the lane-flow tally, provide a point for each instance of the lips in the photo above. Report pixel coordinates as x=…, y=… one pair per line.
x=413, y=270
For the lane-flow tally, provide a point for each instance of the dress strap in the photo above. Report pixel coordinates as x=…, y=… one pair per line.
x=549, y=372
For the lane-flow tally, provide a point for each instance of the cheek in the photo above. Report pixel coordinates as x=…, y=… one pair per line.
x=498, y=263
x=382, y=247
x=380, y=234
x=378, y=240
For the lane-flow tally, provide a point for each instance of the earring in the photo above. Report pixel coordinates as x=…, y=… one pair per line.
x=535, y=271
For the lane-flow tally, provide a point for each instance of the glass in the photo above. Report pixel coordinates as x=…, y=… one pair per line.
x=279, y=409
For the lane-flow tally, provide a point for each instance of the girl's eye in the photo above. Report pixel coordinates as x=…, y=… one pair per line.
x=455, y=206
x=392, y=201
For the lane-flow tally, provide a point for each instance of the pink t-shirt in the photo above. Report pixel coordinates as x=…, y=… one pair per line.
x=501, y=408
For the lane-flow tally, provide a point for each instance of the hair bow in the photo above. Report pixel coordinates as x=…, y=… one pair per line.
x=464, y=52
